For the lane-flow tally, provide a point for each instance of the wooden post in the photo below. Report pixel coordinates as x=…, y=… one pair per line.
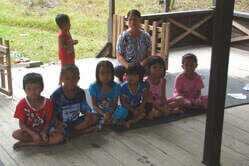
x=8, y=63
x=167, y=34
x=218, y=81
x=110, y=20
x=154, y=38
x=2, y=68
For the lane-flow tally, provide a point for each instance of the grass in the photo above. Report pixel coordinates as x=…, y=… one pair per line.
x=35, y=18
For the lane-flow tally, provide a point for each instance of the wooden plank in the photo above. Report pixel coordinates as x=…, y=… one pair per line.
x=190, y=140
x=146, y=24
x=167, y=147
x=151, y=154
x=110, y=20
x=232, y=131
x=166, y=51
x=239, y=39
x=3, y=49
x=154, y=38
x=241, y=27
x=8, y=63
x=2, y=67
x=6, y=158
x=119, y=150
x=87, y=143
x=114, y=41
x=237, y=144
x=163, y=37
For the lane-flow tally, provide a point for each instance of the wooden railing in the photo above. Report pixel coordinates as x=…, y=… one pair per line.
x=5, y=68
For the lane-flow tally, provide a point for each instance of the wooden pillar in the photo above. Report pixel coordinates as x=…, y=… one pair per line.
x=110, y=20
x=218, y=81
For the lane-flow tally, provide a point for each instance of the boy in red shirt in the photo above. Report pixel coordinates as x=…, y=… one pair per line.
x=34, y=113
x=66, y=43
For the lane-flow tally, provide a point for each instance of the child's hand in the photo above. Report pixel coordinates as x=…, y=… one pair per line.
x=74, y=42
x=107, y=116
x=137, y=111
x=36, y=138
x=44, y=138
x=61, y=126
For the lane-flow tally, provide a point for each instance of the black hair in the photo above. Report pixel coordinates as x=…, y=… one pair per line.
x=61, y=19
x=70, y=67
x=134, y=12
x=136, y=69
x=107, y=64
x=33, y=78
x=153, y=60
x=189, y=56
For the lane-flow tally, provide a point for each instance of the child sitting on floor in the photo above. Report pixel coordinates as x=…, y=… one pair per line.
x=34, y=113
x=69, y=101
x=188, y=84
x=157, y=89
x=105, y=93
x=134, y=94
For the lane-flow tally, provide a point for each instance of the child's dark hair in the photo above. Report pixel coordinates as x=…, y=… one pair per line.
x=136, y=69
x=108, y=65
x=61, y=19
x=33, y=78
x=70, y=67
x=134, y=12
x=153, y=60
x=189, y=56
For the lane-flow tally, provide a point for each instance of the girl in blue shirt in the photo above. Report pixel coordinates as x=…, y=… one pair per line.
x=104, y=94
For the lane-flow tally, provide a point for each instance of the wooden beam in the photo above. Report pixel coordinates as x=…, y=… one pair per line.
x=189, y=30
x=218, y=81
x=239, y=39
x=3, y=49
x=241, y=27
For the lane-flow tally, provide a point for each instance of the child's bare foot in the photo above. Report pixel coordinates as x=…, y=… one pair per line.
x=23, y=144
x=128, y=124
x=18, y=145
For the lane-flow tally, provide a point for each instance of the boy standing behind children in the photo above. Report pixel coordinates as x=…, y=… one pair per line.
x=34, y=113
x=66, y=43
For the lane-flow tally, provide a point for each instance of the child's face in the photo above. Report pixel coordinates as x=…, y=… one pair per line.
x=33, y=90
x=156, y=70
x=189, y=66
x=105, y=75
x=133, y=22
x=70, y=80
x=132, y=78
x=66, y=26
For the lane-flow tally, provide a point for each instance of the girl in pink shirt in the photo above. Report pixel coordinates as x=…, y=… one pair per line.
x=157, y=89
x=188, y=84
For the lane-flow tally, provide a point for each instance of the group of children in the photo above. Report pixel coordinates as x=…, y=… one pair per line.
x=44, y=121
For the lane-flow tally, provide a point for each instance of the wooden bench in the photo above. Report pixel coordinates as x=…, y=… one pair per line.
x=5, y=68
x=159, y=35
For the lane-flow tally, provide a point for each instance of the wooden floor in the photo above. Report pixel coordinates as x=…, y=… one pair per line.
x=178, y=143
x=172, y=144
